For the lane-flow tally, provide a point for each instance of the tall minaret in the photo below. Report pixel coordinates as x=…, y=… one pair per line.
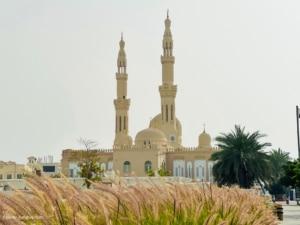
x=122, y=103
x=168, y=89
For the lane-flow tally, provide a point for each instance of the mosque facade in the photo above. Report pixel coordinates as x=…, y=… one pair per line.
x=158, y=147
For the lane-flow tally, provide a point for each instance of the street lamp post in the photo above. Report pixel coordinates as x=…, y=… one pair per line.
x=298, y=139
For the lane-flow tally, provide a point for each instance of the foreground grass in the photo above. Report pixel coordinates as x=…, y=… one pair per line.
x=143, y=204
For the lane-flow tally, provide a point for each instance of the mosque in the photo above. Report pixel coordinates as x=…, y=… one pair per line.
x=157, y=147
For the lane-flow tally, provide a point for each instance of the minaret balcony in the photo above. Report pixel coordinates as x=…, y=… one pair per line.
x=121, y=76
x=166, y=90
x=122, y=104
x=167, y=59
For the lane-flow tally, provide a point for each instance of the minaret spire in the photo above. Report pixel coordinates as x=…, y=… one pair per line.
x=122, y=63
x=167, y=39
x=167, y=89
x=122, y=103
x=167, y=121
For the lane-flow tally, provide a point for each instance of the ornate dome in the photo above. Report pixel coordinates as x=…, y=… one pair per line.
x=150, y=136
x=204, y=140
x=156, y=122
x=170, y=132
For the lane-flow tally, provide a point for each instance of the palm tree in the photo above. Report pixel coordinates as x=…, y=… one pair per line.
x=242, y=159
x=278, y=159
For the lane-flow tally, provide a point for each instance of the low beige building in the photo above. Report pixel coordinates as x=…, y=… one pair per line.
x=158, y=146
x=43, y=165
x=11, y=170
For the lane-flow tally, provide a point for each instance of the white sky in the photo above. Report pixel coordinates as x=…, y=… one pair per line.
x=237, y=62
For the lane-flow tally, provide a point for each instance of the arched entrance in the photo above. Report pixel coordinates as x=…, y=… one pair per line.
x=200, y=170
x=178, y=168
x=189, y=170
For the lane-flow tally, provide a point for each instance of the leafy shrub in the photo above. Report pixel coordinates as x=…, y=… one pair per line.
x=150, y=173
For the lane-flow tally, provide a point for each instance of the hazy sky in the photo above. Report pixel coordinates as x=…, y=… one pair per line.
x=237, y=62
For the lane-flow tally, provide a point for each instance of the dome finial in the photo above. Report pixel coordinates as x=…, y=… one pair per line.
x=122, y=42
x=168, y=13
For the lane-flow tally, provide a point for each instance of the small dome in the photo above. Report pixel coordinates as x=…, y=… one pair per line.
x=204, y=140
x=150, y=136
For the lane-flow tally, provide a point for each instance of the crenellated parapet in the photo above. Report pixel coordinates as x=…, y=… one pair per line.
x=78, y=154
x=136, y=148
x=101, y=150
x=192, y=149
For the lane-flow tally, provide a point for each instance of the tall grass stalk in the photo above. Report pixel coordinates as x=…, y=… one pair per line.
x=52, y=203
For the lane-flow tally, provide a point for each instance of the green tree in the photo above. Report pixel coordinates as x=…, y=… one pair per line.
x=150, y=173
x=291, y=176
x=278, y=159
x=163, y=172
x=242, y=159
x=89, y=164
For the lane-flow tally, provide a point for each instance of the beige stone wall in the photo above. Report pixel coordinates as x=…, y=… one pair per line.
x=11, y=170
x=137, y=158
x=189, y=155
x=75, y=156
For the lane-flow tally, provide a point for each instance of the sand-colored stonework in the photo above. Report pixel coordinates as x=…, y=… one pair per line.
x=159, y=145
x=11, y=170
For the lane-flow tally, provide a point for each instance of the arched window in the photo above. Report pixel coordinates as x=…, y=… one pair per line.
x=110, y=165
x=172, y=138
x=124, y=123
x=126, y=167
x=200, y=170
x=116, y=124
x=163, y=164
x=172, y=112
x=210, y=171
x=178, y=168
x=148, y=166
x=74, y=169
x=120, y=123
x=103, y=166
x=167, y=116
x=189, y=169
